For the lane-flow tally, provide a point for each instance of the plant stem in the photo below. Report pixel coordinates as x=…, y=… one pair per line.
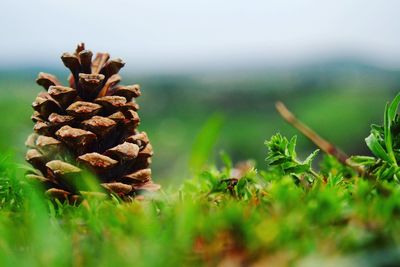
x=310, y=134
x=314, y=173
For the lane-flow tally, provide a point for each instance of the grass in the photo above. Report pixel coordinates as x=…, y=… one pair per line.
x=266, y=218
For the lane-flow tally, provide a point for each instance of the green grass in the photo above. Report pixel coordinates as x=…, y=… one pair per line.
x=266, y=218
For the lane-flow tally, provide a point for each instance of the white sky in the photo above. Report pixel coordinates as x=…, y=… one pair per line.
x=182, y=34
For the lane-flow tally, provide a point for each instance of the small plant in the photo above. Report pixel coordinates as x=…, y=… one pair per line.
x=384, y=143
x=282, y=154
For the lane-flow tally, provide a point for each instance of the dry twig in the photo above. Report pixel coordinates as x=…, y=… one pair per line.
x=310, y=134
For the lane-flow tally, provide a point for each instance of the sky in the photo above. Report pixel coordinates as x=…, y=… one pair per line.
x=184, y=34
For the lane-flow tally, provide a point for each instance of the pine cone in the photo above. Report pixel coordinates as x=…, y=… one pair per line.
x=90, y=125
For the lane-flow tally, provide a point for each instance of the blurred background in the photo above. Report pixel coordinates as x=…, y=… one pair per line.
x=211, y=71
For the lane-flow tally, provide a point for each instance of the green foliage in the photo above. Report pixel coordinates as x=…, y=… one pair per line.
x=384, y=143
x=282, y=154
x=208, y=222
x=10, y=187
x=216, y=184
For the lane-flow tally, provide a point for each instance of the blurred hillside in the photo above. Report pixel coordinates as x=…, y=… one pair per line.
x=339, y=99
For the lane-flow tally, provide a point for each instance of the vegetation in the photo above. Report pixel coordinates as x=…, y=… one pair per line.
x=291, y=209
